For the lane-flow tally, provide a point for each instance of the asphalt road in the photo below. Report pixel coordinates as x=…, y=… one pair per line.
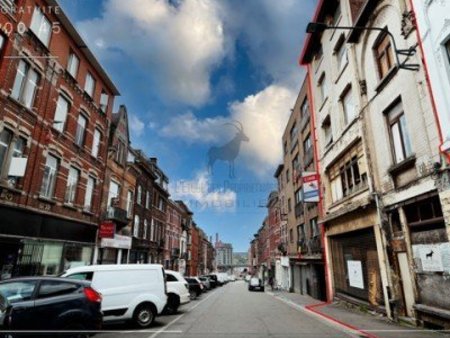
x=232, y=311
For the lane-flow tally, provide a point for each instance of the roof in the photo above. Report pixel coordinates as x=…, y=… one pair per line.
x=67, y=24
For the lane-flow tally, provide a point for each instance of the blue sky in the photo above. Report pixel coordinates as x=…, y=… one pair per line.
x=186, y=68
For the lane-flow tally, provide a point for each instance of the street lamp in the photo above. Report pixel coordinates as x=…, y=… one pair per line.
x=319, y=27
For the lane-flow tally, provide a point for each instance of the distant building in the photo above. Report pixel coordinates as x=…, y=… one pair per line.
x=224, y=254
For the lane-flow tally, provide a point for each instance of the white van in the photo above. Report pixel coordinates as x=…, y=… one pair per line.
x=134, y=292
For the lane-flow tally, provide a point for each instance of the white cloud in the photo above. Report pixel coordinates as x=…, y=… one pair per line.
x=136, y=125
x=194, y=130
x=264, y=117
x=178, y=46
x=199, y=194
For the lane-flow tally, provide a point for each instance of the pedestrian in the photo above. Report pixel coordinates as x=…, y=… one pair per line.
x=271, y=282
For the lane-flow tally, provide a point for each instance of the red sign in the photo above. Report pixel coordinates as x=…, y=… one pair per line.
x=107, y=229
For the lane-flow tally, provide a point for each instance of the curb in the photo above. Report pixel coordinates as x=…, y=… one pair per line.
x=328, y=320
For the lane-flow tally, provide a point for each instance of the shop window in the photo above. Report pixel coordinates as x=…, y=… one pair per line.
x=384, y=55
x=49, y=178
x=51, y=259
x=399, y=135
x=25, y=84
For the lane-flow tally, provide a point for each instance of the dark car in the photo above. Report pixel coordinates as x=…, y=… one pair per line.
x=212, y=281
x=217, y=282
x=46, y=303
x=195, y=287
x=255, y=284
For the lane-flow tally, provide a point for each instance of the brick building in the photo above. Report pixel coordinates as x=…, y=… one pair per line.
x=194, y=248
x=55, y=109
x=173, y=236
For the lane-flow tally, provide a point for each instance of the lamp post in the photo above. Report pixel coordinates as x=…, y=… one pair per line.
x=319, y=27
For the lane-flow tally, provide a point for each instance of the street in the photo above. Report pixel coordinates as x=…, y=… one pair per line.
x=233, y=311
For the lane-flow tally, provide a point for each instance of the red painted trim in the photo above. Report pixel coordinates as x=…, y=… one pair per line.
x=308, y=37
x=329, y=290
x=428, y=81
x=312, y=308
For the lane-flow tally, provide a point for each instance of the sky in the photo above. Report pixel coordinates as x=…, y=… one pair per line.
x=188, y=70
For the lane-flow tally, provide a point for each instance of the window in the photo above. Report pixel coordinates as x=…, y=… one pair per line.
x=81, y=129
x=447, y=46
x=307, y=144
x=145, y=229
x=2, y=42
x=130, y=202
x=90, y=186
x=5, y=142
x=113, y=193
x=62, y=109
x=399, y=135
x=71, y=187
x=327, y=131
x=305, y=109
x=287, y=176
x=293, y=134
x=161, y=204
x=139, y=195
x=89, y=85
x=289, y=205
x=96, y=143
x=350, y=176
x=41, y=27
x=147, y=199
x=104, y=102
x=73, y=64
x=120, y=153
x=348, y=106
x=291, y=235
x=152, y=230
x=323, y=89
x=384, y=55
x=315, y=231
x=25, y=84
x=18, y=291
x=49, y=179
x=136, y=226
x=53, y=289
x=337, y=15
x=301, y=232
x=285, y=147
x=341, y=54
x=298, y=196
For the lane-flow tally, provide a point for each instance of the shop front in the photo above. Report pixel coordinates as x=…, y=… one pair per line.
x=34, y=244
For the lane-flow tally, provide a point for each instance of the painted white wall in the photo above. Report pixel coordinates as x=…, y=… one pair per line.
x=434, y=26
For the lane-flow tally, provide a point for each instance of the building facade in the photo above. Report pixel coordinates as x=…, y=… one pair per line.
x=173, y=236
x=55, y=108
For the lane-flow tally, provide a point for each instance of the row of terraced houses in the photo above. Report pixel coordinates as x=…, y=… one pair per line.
x=362, y=209
x=73, y=190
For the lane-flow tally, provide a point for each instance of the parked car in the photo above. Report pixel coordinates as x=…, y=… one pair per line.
x=49, y=303
x=247, y=278
x=222, y=277
x=195, y=287
x=135, y=292
x=177, y=291
x=255, y=284
x=212, y=280
x=217, y=279
x=206, y=282
x=232, y=278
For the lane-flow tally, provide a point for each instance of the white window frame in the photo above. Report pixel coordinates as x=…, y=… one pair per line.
x=104, y=98
x=152, y=230
x=136, y=225
x=61, y=112
x=130, y=203
x=89, y=85
x=89, y=194
x=139, y=195
x=96, y=143
x=25, y=84
x=323, y=87
x=145, y=229
x=81, y=130
x=73, y=65
x=348, y=105
x=71, y=186
x=41, y=26
x=147, y=199
x=113, y=192
x=52, y=165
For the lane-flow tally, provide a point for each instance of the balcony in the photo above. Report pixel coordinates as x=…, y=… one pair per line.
x=117, y=214
x=314, y=245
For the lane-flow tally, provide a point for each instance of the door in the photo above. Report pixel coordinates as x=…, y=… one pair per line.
x=406, y=280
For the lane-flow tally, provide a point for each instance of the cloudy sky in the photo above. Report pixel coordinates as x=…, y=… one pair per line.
x=185, y=70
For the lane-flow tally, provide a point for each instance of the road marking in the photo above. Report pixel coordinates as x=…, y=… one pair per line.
x=331, y=323
x=163, y=329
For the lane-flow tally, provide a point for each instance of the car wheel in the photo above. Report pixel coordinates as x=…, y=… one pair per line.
x=144, y=315
x=192, y=295
x=172, y=304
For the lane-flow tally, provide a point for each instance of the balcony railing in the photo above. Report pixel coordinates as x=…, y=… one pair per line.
x=314, y=245
x=7, y=6
x=117, y=214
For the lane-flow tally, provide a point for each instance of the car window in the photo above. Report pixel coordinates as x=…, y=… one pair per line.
x=81, y=276
x=171, y=278
x=18, y=291
x=56, y=288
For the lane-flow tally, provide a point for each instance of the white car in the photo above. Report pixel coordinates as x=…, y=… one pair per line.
x=134, y=292
x=177, y=291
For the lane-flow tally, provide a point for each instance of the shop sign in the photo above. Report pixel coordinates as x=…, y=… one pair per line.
x=107, y=229
x=118, y=242
x=355, y=274
x=432, y=257
x=310, y=187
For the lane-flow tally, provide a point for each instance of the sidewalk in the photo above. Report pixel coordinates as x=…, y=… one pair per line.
x=354, y=322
